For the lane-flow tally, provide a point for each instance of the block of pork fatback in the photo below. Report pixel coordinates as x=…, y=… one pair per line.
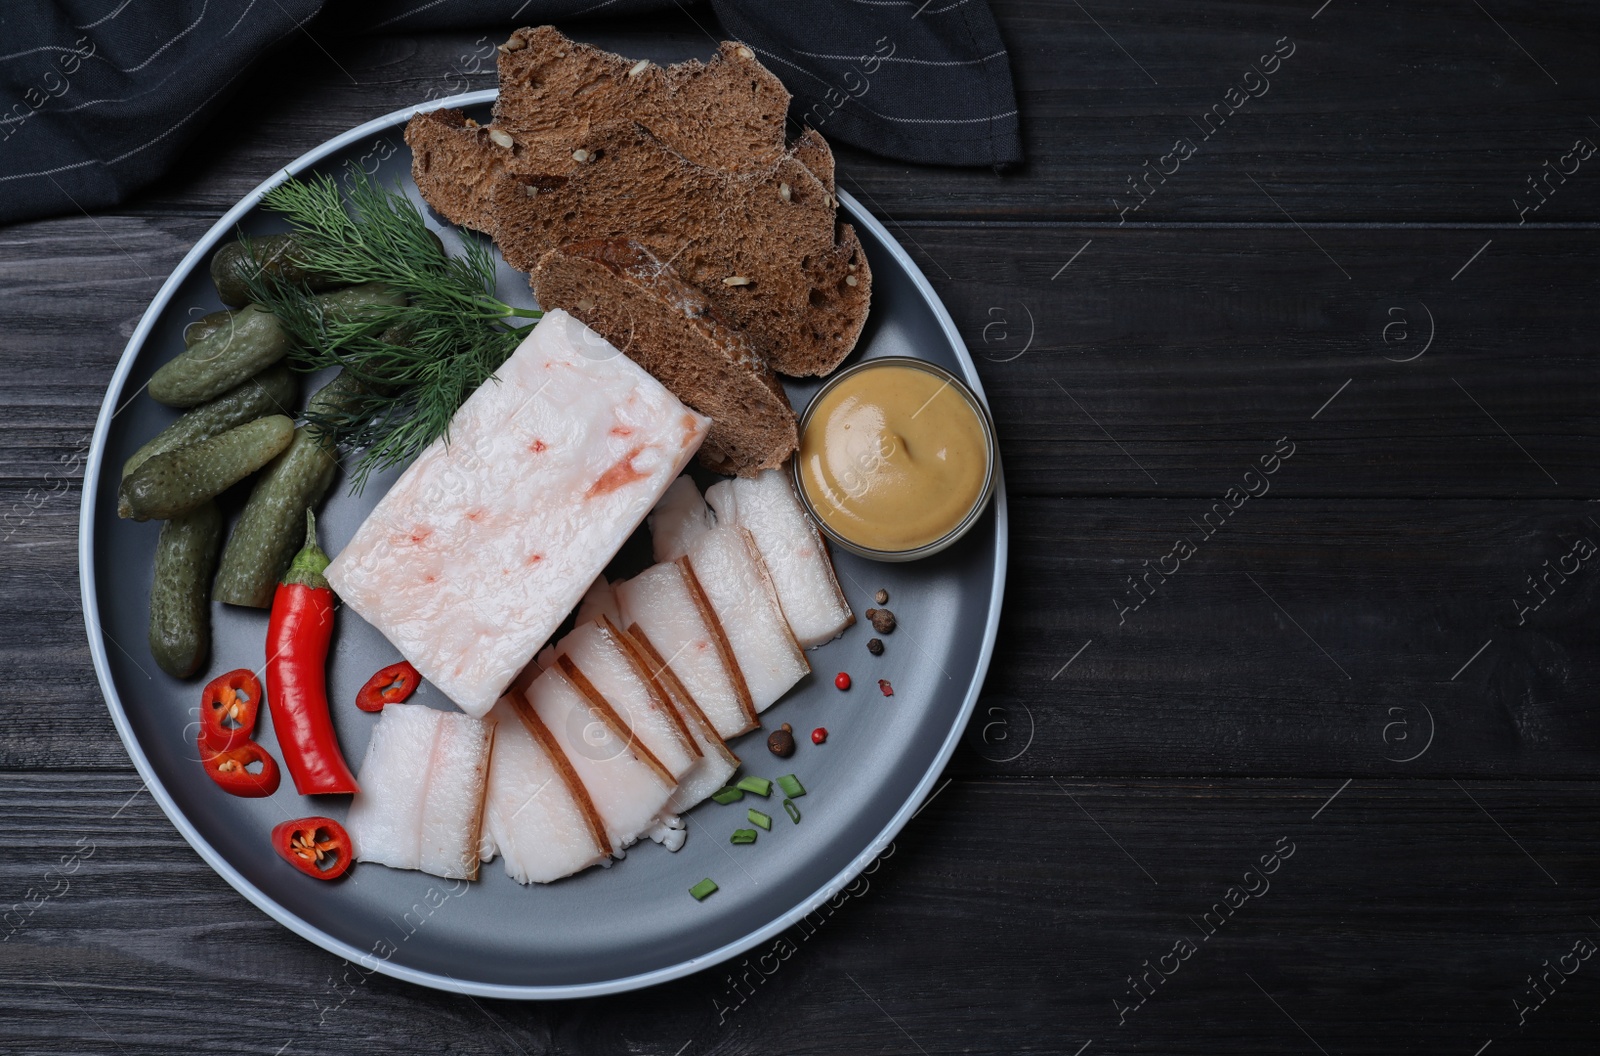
x=488, y=540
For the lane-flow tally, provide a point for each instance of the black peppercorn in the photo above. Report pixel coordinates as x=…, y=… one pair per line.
x=780, y=742
x=882, y=620
x=875, y=646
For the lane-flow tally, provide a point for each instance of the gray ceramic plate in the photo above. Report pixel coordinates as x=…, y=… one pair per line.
x=605, y=930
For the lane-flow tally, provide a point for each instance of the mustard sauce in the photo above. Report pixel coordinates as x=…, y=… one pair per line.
x=894, y=457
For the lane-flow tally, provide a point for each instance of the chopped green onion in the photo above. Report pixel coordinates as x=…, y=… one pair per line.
x=791, y=786
x=702, y=889
x=793, y=811
x=758, y=818
x=743, y=836
x=727, y=795
x=759, y=785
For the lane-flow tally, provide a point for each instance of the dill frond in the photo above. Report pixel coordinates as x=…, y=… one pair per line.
x=416, y=363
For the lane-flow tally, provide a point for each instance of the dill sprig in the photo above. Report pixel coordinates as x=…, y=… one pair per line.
x=416, y=363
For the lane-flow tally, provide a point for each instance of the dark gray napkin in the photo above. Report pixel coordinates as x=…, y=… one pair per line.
x=103, y=94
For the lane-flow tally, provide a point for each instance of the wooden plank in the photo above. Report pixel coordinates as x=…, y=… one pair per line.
x=1434, y=112
x=1397, y=915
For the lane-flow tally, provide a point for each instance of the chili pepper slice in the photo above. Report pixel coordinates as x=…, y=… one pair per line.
x=390, y=686
x=229, y=768
x=316, y=846
x=298, y=633
x=228, y=709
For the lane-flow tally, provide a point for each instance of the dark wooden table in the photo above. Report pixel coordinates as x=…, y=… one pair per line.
x=1327, y=365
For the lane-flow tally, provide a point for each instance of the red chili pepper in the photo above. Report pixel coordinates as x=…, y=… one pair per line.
x=229, y=769
x=297, y=686
x=389, y=686
x=316, y=846
x=228, y=709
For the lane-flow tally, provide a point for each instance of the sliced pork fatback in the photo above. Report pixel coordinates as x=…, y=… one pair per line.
x=729, y=569
x=600, y=600
x=537, y=816
x=627, y=786
x=795, y=555
x=618, y=675
x=485, y=544
x=452, y=807
x=421, y=800
x=717, y=762
x=665, y=608
x=679, y=516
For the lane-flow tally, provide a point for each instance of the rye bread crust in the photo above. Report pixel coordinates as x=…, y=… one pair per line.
x=639, y=303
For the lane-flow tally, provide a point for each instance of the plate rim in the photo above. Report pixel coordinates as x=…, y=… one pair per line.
x=285, y=916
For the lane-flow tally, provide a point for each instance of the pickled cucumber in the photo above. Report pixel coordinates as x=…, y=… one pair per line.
x=175, y=482
x=222, y=359
x=272, y=527
x=270, y=392
x=275, y=255
x=207, y=325
x=180, y=616
x=255, y=341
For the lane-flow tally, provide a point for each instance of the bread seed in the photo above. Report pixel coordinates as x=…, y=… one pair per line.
x=580, y=155
x=639, y=67
x=783, y=191
x=849, y=280
x=746, y=53
x=881, y=597
x=585, y=305
x=530, y=190
x=471, y=123
x=502, y=139
x=735, y=280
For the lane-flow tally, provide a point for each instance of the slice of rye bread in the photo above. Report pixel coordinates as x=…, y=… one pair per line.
x=727, y=113
x=638, y=303
x=764, y=247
